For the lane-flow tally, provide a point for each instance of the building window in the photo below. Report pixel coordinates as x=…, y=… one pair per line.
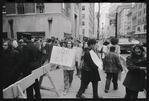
x=144, y=19
x=139, y=6
x=20, y=8
x=4, y=8
x=83, y=23
x=83, y=31
x=144, y=10
x=139, y=13
x=139, y=29
x=83, y=7
x=128, y=27
x=68, y=11
x=83, y=16
x=40, y=8
x=139, y=21
x=144, y=28
x=67, y=8
x=29, y=7
x=63, y=5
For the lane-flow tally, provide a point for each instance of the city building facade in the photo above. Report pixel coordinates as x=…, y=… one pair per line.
x=141, y=17
x=95, y=24
x=39, y=20
x=106, y=26
x=76, y=20
x=136, y=19
x=122, y=11
x=129, y=22
x=112, y=18
x=123, y=22
x=88, y=19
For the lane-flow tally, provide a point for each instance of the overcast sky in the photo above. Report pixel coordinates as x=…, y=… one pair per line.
x=104, y=7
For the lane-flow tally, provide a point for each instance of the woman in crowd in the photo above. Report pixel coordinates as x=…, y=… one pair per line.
x=68, y=71
x=135, y=78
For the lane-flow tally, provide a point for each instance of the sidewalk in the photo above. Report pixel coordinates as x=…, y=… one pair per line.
x=57, y=76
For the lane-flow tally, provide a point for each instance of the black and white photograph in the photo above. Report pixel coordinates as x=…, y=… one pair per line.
x=92, y=50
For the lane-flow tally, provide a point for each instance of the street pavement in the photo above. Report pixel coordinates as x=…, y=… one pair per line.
x=57, y=78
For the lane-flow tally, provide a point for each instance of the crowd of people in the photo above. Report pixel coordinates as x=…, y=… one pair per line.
x=21, y=57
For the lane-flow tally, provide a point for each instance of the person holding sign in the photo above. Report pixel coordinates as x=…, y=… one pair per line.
x=68, y=71
x=89, y=72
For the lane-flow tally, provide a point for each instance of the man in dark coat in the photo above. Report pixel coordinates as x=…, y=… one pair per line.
x=10, y=64
x=30, y=62
x=89, y=72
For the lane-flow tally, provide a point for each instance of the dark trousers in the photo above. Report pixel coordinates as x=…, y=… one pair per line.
x=37, y=91
x=34, y=86
x=68, y=78
x=84, y=85
x=131, y=93
x=114, y=80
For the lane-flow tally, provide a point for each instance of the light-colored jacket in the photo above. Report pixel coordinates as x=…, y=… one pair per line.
x=117, y=48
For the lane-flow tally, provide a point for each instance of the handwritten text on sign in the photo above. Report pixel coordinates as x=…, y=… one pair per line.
x=62, y=56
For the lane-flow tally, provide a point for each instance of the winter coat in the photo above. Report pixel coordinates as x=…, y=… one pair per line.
x=90, y=71
x=111, y=63
x=31, y=58
x=10, y=67
x=135, y=77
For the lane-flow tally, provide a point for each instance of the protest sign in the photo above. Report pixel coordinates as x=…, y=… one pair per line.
x=96, y=59
x=62, y=56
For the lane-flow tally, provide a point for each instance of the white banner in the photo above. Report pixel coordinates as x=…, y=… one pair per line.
x=123, y=63
x=96, y=59
x=62, y=56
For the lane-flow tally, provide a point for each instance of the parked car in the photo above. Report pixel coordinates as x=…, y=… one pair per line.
x=126, y=44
